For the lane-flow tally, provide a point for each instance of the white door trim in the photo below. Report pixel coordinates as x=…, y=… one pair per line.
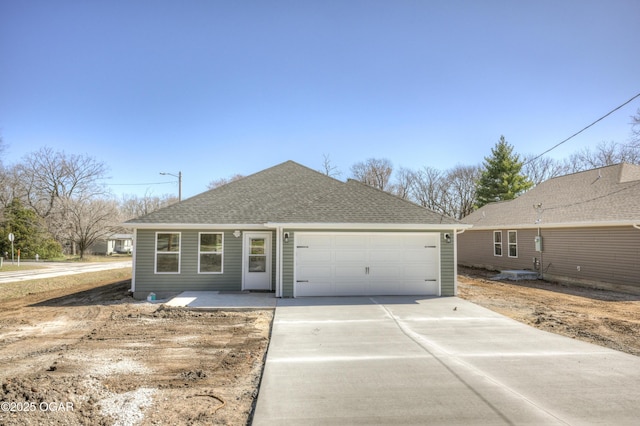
x=248, y=282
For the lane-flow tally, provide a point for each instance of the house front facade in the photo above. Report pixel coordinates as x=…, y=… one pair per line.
x=580, y=228
x=296, y=232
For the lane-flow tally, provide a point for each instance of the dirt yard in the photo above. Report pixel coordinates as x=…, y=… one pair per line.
x=605, y=318
x=98, y=357
x=94, y=356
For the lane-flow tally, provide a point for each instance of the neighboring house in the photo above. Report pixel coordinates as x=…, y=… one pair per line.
x=297, y=232
x=115, y=243
x=581, y=228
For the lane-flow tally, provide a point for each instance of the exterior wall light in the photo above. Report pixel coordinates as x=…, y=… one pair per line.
x=447, y=238
x=286, y=237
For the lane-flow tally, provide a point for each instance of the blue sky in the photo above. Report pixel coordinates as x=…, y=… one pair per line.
x=215, y=88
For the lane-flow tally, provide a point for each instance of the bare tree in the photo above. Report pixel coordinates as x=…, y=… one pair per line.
x=329, y=169
x=635, y=129
x=461, y=189
x=223, y=181
x=47, y=176
x=539, y=169
x=403, y=183
x=605, y=154
x=89, y=220
x=132, y=206
x=428, y=188
x=373, y=172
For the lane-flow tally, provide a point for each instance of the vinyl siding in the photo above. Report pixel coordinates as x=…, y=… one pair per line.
x=605, y=255
x=189, y=279
x=475, y=248
x=447, y=266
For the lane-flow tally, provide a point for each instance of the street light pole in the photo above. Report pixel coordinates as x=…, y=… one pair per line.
x=179, y=176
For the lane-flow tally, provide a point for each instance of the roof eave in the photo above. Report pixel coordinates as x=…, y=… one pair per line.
x=299, y=225
x=148, y=225
x=368, y=226
x=589, y=224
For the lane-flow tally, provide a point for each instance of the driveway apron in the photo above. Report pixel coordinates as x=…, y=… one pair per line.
x=404, y=360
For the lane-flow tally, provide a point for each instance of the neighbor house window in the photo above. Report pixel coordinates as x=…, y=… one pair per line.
x=513, y=243
x=210, y=261
x=167, y=252
x=497, y=243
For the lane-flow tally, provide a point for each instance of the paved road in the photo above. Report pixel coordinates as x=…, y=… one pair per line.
x=56, y=269
x=398, y=360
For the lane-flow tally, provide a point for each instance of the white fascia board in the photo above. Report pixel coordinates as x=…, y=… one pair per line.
x=366, y=226
x=555, y=225
x=196, y=225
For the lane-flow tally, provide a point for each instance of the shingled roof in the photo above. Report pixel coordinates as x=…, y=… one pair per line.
x=599, y=197
x=292, y=193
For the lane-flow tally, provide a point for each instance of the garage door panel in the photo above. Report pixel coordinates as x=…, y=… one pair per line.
x=350, y=242
x=350, y=256
x=385, y=256
x=367, y=264
x=314, y=256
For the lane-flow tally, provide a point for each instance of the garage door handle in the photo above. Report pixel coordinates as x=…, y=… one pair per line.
x=429, y=246
x=431, y=280
x=302, y=281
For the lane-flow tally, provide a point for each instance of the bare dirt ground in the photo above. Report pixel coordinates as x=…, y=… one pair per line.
x=91, y=355
x=606, y=318
x=97, y=357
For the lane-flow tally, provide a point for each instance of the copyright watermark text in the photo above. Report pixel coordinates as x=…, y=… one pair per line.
x=23, y=407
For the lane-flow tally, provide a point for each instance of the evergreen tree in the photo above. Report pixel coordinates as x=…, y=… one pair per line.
x=30, y=234
x=501, y=178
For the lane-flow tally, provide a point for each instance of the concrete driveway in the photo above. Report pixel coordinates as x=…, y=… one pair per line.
x=402, y=360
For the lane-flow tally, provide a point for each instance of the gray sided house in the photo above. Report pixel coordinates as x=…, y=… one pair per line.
x=582, y=228
x=296, y=232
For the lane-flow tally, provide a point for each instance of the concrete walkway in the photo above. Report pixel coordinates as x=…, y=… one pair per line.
x=223, y=300
x=402, y=360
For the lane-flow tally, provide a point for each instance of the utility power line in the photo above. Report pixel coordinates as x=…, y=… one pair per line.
x=583, y=129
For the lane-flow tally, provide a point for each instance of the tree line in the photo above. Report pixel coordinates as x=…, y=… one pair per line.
x=55, y=203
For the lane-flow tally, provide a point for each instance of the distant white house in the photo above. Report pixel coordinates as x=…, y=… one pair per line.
x=115, y=243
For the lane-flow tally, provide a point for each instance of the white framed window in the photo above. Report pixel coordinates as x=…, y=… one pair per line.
x=168, y=252
x=497, y=243
x=210, y=252
x=513, y=243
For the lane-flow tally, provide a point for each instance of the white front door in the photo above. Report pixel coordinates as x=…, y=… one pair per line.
x=256, y=263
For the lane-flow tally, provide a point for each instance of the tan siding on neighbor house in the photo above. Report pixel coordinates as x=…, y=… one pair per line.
x=607, y=256
x=475, y=248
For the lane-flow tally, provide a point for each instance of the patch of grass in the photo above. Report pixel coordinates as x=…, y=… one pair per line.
x=20, y=289
x=93, y=258
x=9, y=267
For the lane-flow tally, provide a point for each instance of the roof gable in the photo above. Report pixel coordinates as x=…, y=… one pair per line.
x=292, y=193
x=605, y=195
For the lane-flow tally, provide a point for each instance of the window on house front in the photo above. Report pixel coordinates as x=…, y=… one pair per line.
x=497, y=243
x=167, y=253
x=513, y=243
x=210, y=261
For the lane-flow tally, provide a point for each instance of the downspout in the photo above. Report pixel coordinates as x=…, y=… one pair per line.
x=133, y=260
x=279, y=261
x=636, y=225
x=541, y=256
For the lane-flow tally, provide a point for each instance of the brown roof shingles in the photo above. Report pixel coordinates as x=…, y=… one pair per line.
x=606, y=195
x=292, y=193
